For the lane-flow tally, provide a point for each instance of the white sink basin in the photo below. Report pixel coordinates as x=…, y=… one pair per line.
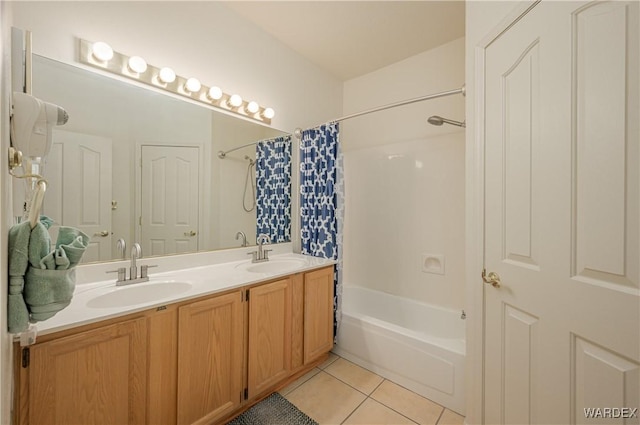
x=276, y=266
x=138, y=293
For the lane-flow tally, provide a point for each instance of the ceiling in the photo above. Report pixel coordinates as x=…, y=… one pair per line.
x=353, y=38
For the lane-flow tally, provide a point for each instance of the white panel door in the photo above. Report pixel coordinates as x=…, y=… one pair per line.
x=85, y=188
x=169, y=221
x=562, y=153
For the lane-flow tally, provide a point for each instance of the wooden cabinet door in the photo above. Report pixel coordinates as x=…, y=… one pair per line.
x=162, y=328
x=80, y=379
x=318, y=313
x=269, y=335
x=210, y=341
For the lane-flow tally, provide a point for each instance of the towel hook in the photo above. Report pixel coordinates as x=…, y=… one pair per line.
x=36, y=201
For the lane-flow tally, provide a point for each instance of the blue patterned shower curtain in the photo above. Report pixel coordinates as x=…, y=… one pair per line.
x=321, y=200
x=273, y=188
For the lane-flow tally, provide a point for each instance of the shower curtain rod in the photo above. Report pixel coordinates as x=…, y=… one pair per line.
x=403, y=102
x=223, y=154
x=298, y=131
x=461, y=90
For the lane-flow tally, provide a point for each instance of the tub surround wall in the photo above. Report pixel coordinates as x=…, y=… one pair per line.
x=405, y=179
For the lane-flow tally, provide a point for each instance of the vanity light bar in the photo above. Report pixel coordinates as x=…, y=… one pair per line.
x=101, y=56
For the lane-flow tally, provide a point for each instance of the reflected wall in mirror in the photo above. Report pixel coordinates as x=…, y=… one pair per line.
x=139, y=165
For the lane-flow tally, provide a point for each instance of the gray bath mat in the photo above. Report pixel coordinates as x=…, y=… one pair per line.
x=273, y=410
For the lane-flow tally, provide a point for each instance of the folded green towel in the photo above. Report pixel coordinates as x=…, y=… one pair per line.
x=17, y=312
x=42, y=281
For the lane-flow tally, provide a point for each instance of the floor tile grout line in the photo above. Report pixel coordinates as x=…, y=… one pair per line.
x=394, y=410
x=354, y=410
x=384, y=379
x=368, y=396
x=301, y=383
x=348, y=384
x=378, y=386
x=384, y=405
x=440, y=417
x=330, y=363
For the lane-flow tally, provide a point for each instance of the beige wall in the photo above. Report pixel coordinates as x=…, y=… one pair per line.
x=5, y=211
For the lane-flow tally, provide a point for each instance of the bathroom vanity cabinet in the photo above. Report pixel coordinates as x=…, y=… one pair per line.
x=193, y=362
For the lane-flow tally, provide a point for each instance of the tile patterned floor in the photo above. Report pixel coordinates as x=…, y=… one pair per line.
x=340, y=392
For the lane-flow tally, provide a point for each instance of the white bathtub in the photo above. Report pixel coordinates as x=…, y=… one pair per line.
x=417, y=345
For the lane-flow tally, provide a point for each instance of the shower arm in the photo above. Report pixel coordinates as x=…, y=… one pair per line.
x=438, y=120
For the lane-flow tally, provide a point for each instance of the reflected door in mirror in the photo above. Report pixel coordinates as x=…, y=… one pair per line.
x=79, y=170
x=169, y=221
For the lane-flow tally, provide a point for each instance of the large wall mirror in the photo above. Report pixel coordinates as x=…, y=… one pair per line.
x=136, y=164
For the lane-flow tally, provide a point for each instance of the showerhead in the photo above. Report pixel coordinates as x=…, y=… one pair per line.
x=437, y=120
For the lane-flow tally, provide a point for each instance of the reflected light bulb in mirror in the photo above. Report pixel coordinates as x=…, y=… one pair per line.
x=269, y=113
x=102, y=51
x=193, y=85
x=253, y=107
x=215, y=93
x=235, y=100
x=137, y=64
x=167, y=75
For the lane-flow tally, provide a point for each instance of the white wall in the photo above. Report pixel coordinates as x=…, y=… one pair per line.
x=203, y=39
x=5, y=212
x=404, y=179
x=482, y=17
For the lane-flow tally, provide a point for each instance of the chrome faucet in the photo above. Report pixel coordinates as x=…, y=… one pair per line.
x=261, y=254
x=244, y=238
x=121, y=247
x=136, y=253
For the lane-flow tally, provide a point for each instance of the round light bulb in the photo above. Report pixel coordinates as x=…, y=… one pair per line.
x=137, y=64
x=167, y=75
x=102, y=51
x=253, y=107
x=269, y=113
x=235, y=100
x=215, y=93
x=193, y=85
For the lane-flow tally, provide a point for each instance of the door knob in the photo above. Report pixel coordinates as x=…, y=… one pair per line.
x=103, y=234
x=492, y=278
x=190, y=233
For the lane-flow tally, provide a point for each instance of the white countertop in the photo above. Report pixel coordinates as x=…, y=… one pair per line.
x=199, y=281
